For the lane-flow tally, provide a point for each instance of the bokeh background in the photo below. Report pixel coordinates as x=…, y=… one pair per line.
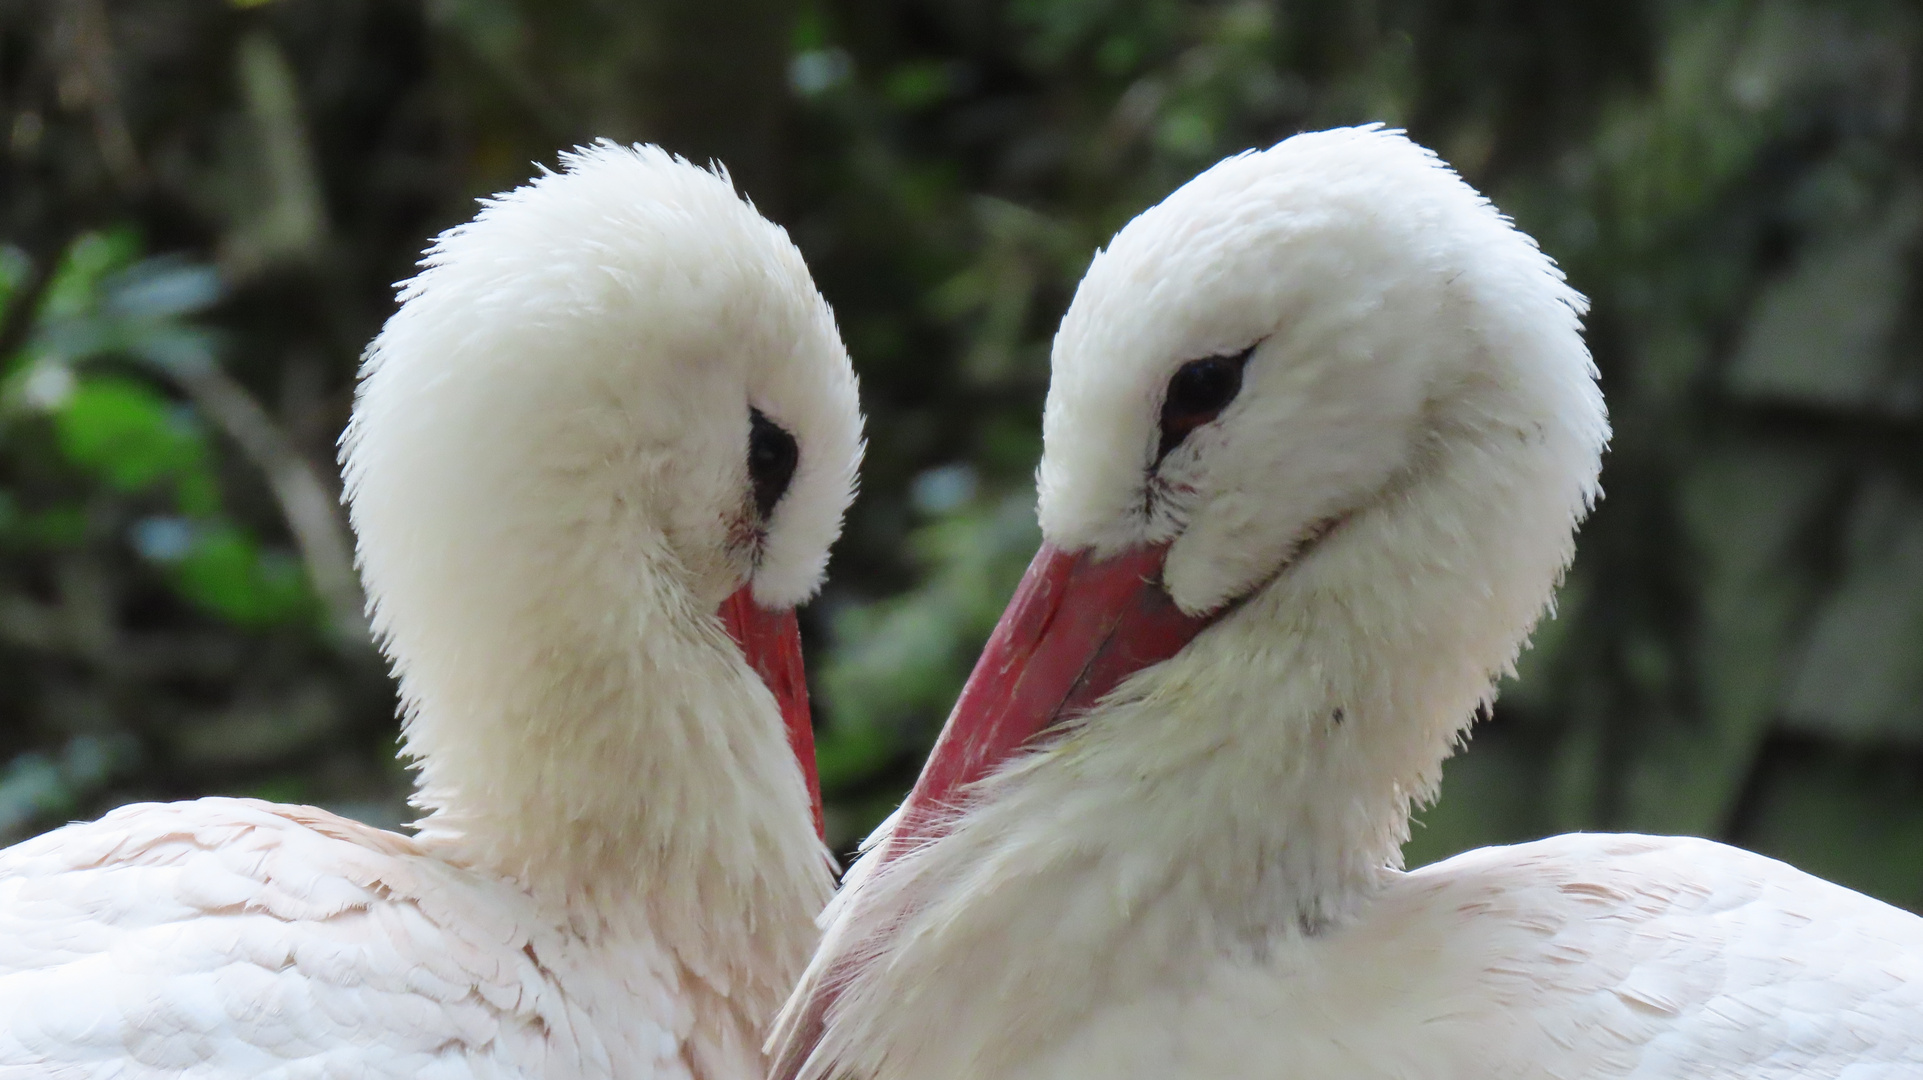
x=205, y=204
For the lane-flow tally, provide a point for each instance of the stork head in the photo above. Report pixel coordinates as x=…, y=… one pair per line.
x=1329, y=370
x=611, y=426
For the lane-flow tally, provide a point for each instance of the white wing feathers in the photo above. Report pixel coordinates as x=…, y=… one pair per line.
x=1582, y=957
x=1625, y=956
x=1656, y=957
x=229, y=938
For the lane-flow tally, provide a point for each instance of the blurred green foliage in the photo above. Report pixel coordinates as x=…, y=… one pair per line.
x=1736, y=184
x=128, y=438
x=113, y=523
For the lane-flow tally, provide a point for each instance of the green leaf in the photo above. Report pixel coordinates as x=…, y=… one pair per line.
x=75, y=288
x=57, y=527
x=128, y=435
x=917, y=86
x=810, y=32
x=226, y=572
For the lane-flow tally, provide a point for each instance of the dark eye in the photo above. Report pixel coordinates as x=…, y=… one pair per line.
x=1197, y=393
x=772, y=456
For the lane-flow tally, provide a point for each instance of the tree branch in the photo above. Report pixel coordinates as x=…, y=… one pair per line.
x=305, y=501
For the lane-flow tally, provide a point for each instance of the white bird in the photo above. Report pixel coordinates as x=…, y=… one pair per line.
x=1320, y=430
x=596, y=458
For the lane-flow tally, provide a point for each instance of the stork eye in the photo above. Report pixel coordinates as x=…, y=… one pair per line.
x=772, y=456
x=1197, y=393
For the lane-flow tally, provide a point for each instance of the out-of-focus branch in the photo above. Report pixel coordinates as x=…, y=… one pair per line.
x=87, y=80
x=305, y=500
x=286, y=221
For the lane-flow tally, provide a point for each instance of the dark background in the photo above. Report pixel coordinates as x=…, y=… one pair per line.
x=205, y=205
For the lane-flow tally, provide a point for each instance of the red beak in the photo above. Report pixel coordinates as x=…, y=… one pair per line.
x=1075, y=629
x=771, y=641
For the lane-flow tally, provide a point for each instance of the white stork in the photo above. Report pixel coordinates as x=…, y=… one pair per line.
x=1320, y=430
x=596, y=458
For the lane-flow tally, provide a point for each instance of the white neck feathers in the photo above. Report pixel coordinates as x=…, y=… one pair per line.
x=1250, y=791
x=546, y=460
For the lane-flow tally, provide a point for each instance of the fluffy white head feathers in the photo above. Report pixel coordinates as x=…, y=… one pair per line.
x=1365, y=293
x=551, y=471
x=599, y=336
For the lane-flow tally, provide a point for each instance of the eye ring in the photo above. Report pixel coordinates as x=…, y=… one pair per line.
x=773, y=455
x=1197, y=394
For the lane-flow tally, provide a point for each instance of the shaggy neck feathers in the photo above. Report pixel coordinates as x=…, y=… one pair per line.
x=547, y=474
x=611, y=752
x=1234, y=801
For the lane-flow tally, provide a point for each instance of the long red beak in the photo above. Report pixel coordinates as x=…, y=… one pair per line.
x=1075, y=629
x=771, y=640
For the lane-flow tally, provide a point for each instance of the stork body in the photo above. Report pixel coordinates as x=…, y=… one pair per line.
x=236, y=938
x=597, y=457
x=1578, y=956
x=1320, y=428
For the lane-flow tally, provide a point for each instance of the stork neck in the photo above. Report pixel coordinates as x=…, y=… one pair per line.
x=602, y=743
x=1237, y=799
x=1277, y=758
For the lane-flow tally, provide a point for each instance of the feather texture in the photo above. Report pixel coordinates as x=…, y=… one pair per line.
x=1634, y=957
x=1200, y=877
x=548, y=475
x=236, y=938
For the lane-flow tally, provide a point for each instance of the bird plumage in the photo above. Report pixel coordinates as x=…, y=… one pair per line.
x=232, y=937
x=1200, y=875
x=548, y=471
x=1586, y=955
